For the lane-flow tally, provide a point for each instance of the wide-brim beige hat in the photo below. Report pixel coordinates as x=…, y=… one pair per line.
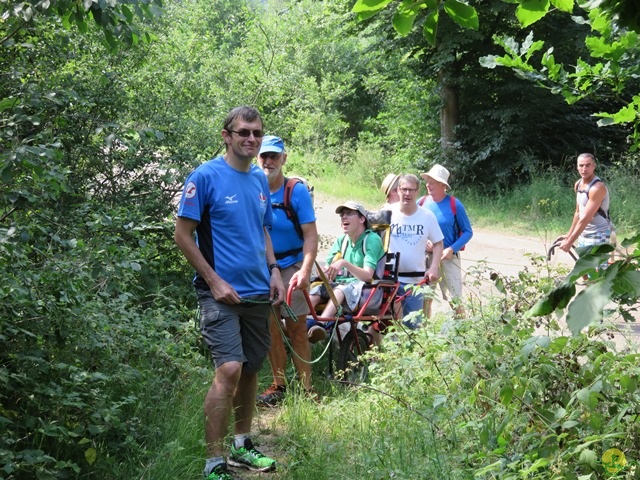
x=389, y=183
x=438, y=173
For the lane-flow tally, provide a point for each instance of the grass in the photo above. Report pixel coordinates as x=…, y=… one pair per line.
x=180, y=448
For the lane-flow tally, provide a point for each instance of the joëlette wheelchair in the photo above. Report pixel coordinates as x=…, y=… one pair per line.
x=376, y=310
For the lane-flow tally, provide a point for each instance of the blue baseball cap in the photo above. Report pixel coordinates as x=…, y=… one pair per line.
x=271, y=143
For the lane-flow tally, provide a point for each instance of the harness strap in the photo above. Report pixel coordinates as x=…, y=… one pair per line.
x=288, y=253
x=411, y=274
x=600, y=210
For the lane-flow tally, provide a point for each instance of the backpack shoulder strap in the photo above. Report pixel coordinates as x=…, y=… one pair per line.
x=421, y=200
x=344, y=245
x=289, y=184
x=456, y=225
x=591, y=184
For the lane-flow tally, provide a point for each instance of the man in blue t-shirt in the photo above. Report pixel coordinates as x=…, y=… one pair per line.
x=456, y=227
x=225, y=201
x=295, y=246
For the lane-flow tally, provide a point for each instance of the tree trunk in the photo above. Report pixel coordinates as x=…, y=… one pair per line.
x=448, y=112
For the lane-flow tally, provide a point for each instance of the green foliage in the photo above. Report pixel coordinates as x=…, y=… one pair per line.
x=461, y=13
x=619, y=282
x=119, y=21
x=508, y=401
x=611, y=71
x=94, y=297
x=492, y=396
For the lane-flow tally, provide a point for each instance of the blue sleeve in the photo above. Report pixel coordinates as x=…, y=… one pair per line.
x=302, y=204
x=193, y=197
x=268, y=214
x=465, y=227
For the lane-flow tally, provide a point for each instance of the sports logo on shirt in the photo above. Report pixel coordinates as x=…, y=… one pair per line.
x=190, y=190
x=231, y=199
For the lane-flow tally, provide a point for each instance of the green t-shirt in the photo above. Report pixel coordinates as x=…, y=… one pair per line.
x=355, y=254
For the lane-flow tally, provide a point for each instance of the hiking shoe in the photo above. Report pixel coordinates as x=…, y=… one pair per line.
x=316, y=334
x=272, y=396
x=220, y=472
x=249, y=457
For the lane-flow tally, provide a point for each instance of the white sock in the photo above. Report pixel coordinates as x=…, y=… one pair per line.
x=212, y=463
x=238, y=440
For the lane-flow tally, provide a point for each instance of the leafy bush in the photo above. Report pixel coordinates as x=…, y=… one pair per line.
x=508, y=399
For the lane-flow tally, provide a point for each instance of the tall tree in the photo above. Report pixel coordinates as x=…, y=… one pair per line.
x=486, y=115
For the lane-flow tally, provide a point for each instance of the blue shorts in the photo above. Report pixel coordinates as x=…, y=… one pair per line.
x=235, y=333
x=413, y=302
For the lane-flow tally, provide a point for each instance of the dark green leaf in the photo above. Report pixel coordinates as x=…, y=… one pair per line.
x=430, y=27
x=627, y=282
x=506, y=394
x=557, y=298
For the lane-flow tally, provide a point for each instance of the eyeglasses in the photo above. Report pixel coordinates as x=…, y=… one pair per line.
x=270, y=155
x=245, y=133
x=348, y=213
x=408, y=190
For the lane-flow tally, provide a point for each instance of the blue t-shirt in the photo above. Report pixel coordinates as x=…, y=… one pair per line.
x=283, y=233
x=444, y=214
x=232, y=207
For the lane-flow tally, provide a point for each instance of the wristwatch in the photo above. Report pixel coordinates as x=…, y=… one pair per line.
x=274, y=265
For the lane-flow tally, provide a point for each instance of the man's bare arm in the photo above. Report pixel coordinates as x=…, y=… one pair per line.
x=300, y=279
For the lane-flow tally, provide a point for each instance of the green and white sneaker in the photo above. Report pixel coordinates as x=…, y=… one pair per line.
x=249, y=457
x=220, y=472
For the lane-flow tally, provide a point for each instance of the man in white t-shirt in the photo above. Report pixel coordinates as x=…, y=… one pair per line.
x=411, y=228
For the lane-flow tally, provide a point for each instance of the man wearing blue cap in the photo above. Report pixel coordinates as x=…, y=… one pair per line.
x=295, y=243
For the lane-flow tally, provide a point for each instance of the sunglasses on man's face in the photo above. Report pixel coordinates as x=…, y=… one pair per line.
x=245, y=133
x=270, y=156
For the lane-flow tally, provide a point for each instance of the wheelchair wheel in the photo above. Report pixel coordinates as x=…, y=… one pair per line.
x=350, y=367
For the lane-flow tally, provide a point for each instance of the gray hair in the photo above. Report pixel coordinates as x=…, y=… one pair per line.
x=409, y=178
x=587, y=155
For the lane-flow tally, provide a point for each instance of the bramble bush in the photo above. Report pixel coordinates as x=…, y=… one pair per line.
x=504, y=397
